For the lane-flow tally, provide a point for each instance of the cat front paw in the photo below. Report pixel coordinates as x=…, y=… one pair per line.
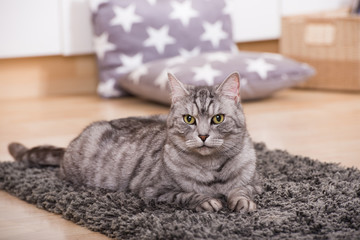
x=211, y=205
x=241, y=204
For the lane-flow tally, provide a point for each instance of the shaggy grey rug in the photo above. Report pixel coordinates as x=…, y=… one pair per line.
x=302, y=199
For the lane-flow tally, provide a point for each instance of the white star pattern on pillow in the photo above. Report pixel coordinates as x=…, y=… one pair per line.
x=184, y=55
x=213, y=33
x=162, y=79
x=107, y=89
x=138, y=73
x=176, y=60
x=218, y=57
x=206, y=73
x=130, y=33
x=260, y=66
x=159, y=38
x=201, y=71
x=129, y=62
x=189, y=53
x=273, y=56
x=102, y=45
x=128, y=14
x=152, y=2
x=125, y=17
x=183, y=11
x=229, y=7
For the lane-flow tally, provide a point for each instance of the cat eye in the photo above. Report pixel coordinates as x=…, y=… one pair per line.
x=217, y=119
x=189, y=119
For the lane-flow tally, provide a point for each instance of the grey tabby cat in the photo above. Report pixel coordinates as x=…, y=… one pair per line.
x=197, y=155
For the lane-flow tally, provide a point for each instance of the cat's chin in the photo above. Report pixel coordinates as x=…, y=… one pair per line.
x=205, y=150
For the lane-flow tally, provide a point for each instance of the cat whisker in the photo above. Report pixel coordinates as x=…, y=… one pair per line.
x=227, y=148
x=191, y=143
x=216, y=142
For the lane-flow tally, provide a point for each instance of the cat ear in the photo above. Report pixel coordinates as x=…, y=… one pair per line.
x=177, y=88
x=230, y=87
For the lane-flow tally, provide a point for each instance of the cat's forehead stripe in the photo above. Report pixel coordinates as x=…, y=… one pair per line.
x=195, y=111
x=203, y=100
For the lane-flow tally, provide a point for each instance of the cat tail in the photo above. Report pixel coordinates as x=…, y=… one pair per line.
x=39, y=156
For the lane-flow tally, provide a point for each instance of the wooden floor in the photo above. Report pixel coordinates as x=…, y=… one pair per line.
x=322, y=125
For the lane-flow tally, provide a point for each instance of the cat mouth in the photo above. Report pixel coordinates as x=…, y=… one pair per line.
x=204, y=147
x=205, y=150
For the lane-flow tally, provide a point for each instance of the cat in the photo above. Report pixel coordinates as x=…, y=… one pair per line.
x=196, y=156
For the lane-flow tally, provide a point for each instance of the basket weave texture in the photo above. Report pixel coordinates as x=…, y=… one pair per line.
x=328, y=42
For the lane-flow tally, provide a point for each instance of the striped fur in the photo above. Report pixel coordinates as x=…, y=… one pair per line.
x=162, y=157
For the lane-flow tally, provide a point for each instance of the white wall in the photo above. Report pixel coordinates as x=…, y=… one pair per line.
x=291, y=7
x=75, y=27
x=255, y=20
x=62, y=27
x=29, y=28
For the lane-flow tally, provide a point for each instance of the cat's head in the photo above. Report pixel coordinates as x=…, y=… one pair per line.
x=206, y=120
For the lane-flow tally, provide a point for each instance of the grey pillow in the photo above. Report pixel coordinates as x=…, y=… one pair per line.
x=261, y=74
x=129, y=33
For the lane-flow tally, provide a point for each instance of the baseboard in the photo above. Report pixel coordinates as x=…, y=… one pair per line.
x=47, y=76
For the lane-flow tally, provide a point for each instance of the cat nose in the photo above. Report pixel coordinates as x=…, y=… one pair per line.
x=203, y=137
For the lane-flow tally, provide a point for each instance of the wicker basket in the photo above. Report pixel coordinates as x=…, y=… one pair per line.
x=328, y=42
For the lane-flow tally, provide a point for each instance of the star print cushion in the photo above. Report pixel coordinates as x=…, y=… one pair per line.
x=261, y=74
x=129, y=33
